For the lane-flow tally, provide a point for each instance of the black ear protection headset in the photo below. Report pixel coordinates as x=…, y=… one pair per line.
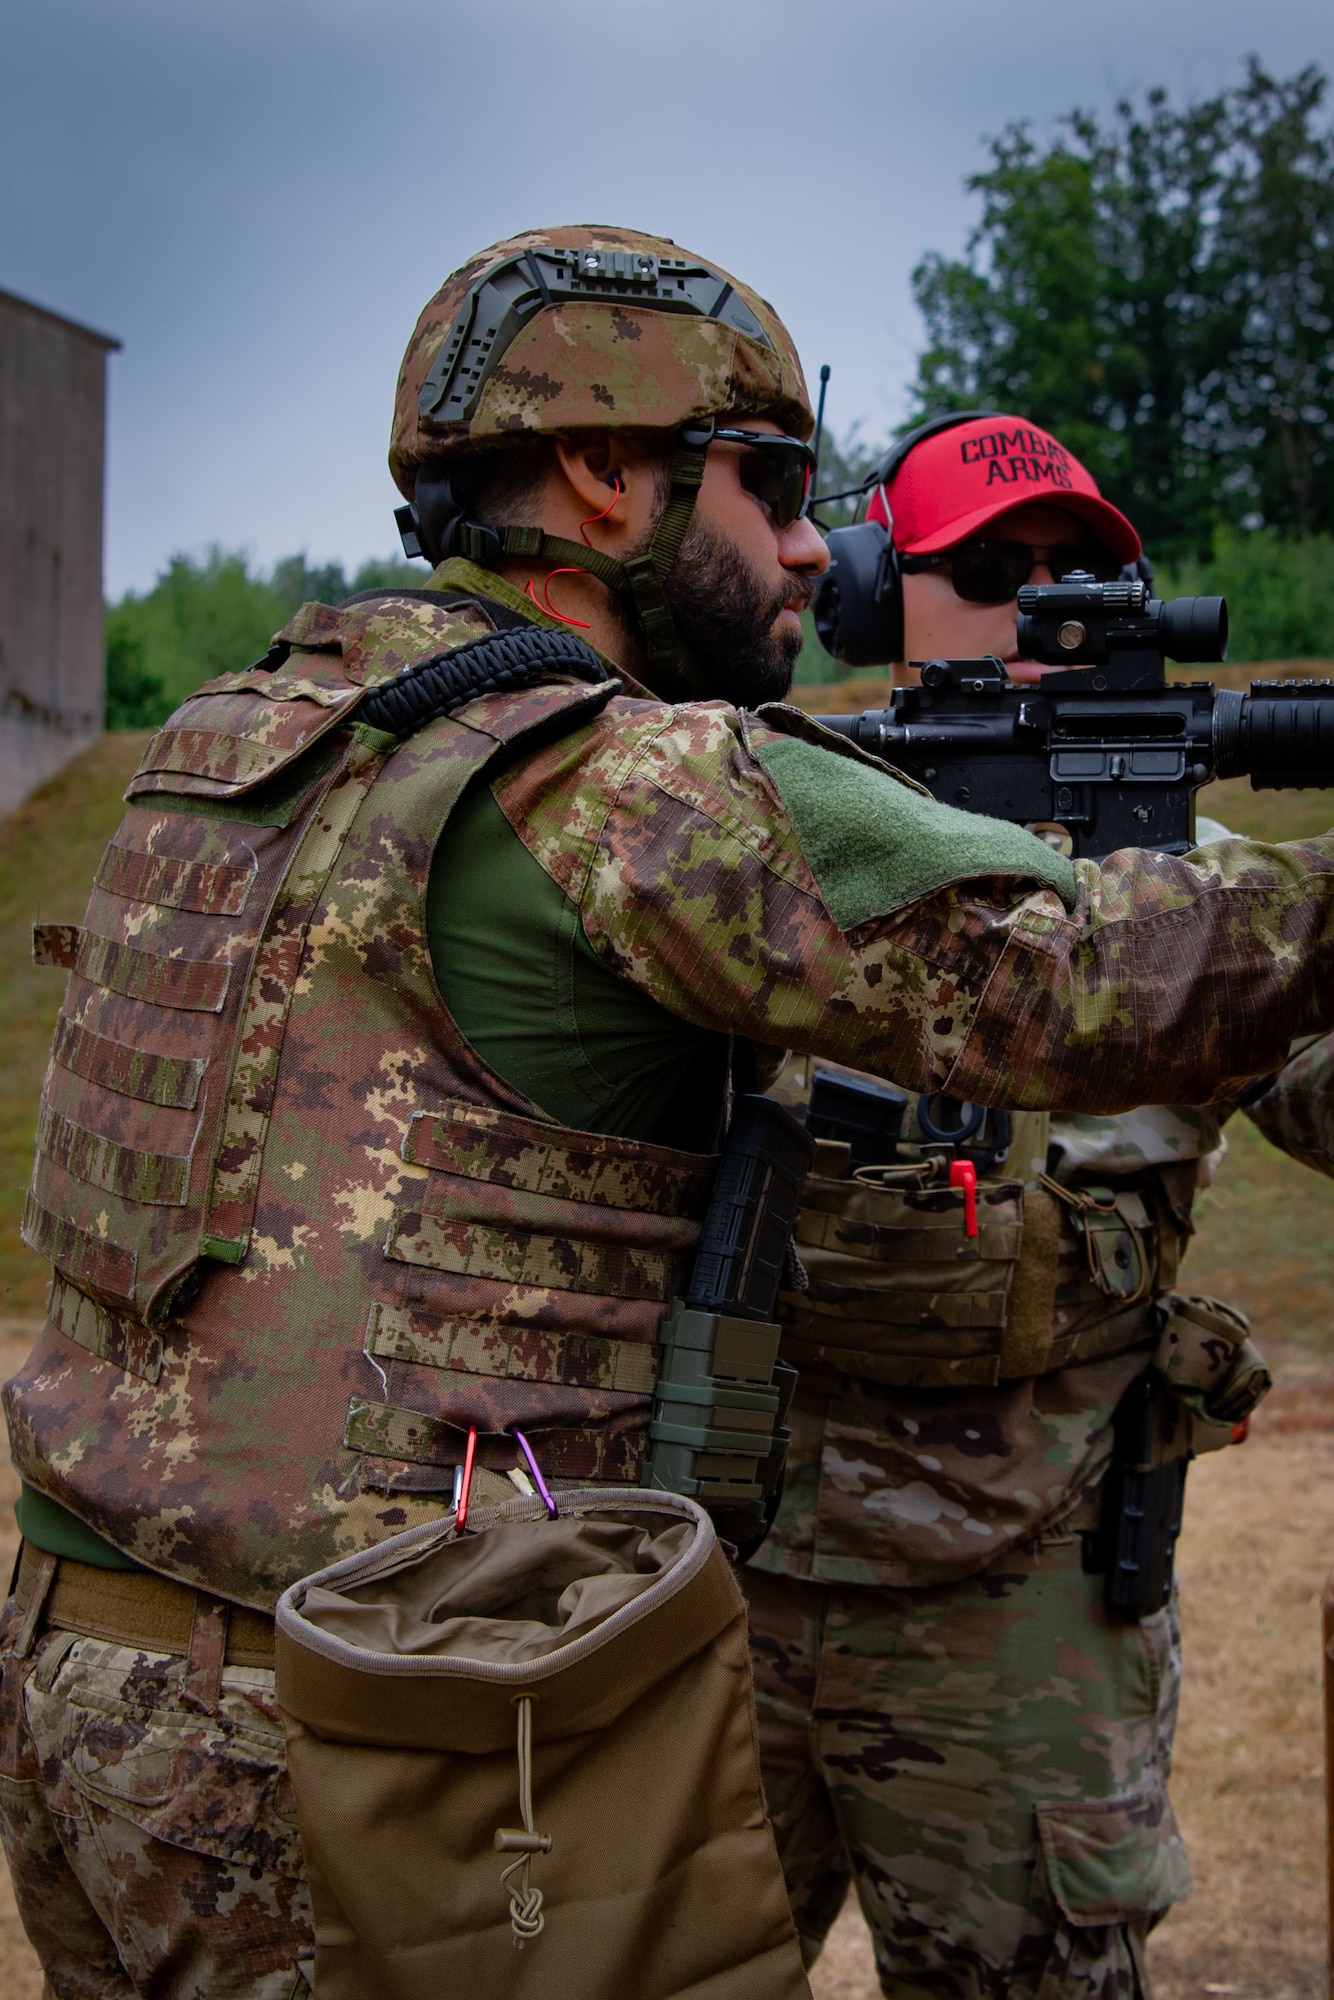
x=859, y=601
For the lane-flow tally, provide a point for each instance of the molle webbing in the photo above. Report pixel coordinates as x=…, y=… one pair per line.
x=508, y=1200
x=393, y=1434
x=899, y=1292
x=517, y=1152
x=116, y=1337
x=147, y=1146
x=156, y=1104
x=345, y=1149
x=507, y=1350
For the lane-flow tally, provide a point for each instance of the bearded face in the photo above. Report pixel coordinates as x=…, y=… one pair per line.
x=727, y=617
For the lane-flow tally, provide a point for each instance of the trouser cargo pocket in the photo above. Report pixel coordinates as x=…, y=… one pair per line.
x=1114, y=1861
x=153, y=1845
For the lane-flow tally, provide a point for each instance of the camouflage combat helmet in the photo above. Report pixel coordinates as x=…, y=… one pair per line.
x=583, y=328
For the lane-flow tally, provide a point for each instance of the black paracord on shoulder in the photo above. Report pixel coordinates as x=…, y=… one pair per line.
x=497, y=663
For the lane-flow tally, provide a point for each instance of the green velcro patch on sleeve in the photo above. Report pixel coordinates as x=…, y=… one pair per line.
x=875, y=845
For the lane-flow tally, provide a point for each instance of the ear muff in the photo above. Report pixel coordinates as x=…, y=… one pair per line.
x=858, y=605
x=859, y=601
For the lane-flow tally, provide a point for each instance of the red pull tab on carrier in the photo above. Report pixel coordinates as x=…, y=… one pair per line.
x=964, y=1174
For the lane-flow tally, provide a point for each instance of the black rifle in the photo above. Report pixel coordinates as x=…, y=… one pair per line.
x=1111, y=756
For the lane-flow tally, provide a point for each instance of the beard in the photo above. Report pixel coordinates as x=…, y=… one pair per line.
x=725, y=614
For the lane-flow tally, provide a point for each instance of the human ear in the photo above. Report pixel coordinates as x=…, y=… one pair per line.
x=592, y=463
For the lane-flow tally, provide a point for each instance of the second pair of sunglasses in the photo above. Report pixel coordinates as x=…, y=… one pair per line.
x=777, y=470
x=992, y=571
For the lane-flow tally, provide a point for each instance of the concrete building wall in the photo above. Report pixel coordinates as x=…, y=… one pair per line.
x=52, y=447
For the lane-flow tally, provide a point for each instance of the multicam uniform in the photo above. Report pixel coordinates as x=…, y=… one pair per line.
x=1296, y=1113
x=947, y=1710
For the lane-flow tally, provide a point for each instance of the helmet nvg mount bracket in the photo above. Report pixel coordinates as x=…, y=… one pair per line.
x=503, y=302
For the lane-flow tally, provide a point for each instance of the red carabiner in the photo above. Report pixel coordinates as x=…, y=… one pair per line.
x=465, y=1484
x=964, y=1174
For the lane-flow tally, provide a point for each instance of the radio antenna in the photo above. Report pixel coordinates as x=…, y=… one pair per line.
x=819, y=425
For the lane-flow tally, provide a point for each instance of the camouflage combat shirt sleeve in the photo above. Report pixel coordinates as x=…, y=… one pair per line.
x=930, y=946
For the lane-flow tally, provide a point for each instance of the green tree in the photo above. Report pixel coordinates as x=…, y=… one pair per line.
x=1279, y=591
x=1274, y=249
x=135, y=698
x=1158, y=290
x=211, y=616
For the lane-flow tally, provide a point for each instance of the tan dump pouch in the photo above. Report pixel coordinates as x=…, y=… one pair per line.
x=640, y=1862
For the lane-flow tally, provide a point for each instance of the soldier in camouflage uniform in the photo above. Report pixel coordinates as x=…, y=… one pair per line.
x=398, y=1034
x=949, y=1714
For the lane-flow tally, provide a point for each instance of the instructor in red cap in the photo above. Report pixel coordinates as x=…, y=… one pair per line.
x=979, y=509
x=949, y=1714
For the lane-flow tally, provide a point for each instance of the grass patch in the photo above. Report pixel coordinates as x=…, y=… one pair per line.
x=1265, y=1242
x=49, y=849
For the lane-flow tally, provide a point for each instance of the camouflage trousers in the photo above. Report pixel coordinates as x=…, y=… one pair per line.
x=987, y=1760
x=152, y=1839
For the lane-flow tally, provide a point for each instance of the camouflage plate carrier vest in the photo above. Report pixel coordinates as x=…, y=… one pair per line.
x=303, y=1236
x=900, y=1290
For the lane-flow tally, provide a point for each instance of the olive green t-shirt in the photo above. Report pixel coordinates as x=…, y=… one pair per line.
x=528, y=991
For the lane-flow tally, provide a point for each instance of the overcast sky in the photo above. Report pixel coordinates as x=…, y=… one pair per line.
x=257, y=196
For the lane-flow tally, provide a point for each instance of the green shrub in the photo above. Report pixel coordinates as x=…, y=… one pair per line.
x=1280, y=593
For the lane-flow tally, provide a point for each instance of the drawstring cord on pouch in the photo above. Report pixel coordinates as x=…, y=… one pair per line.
x=1095, y=1209
x=526, y=1917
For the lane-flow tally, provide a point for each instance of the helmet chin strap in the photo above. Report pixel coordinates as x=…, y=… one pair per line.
x=639, y=582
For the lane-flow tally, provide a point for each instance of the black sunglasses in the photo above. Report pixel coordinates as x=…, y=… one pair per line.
x=779, y=474
x=992, y=571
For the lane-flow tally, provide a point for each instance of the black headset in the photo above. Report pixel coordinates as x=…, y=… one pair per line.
x=859, y=600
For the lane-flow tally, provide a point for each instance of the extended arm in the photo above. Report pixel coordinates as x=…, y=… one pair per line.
x=759, y=883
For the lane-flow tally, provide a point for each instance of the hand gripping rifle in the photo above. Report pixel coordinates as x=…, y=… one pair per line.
x=1109, y=757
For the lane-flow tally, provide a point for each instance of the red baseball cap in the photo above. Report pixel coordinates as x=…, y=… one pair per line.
x=955, y=483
